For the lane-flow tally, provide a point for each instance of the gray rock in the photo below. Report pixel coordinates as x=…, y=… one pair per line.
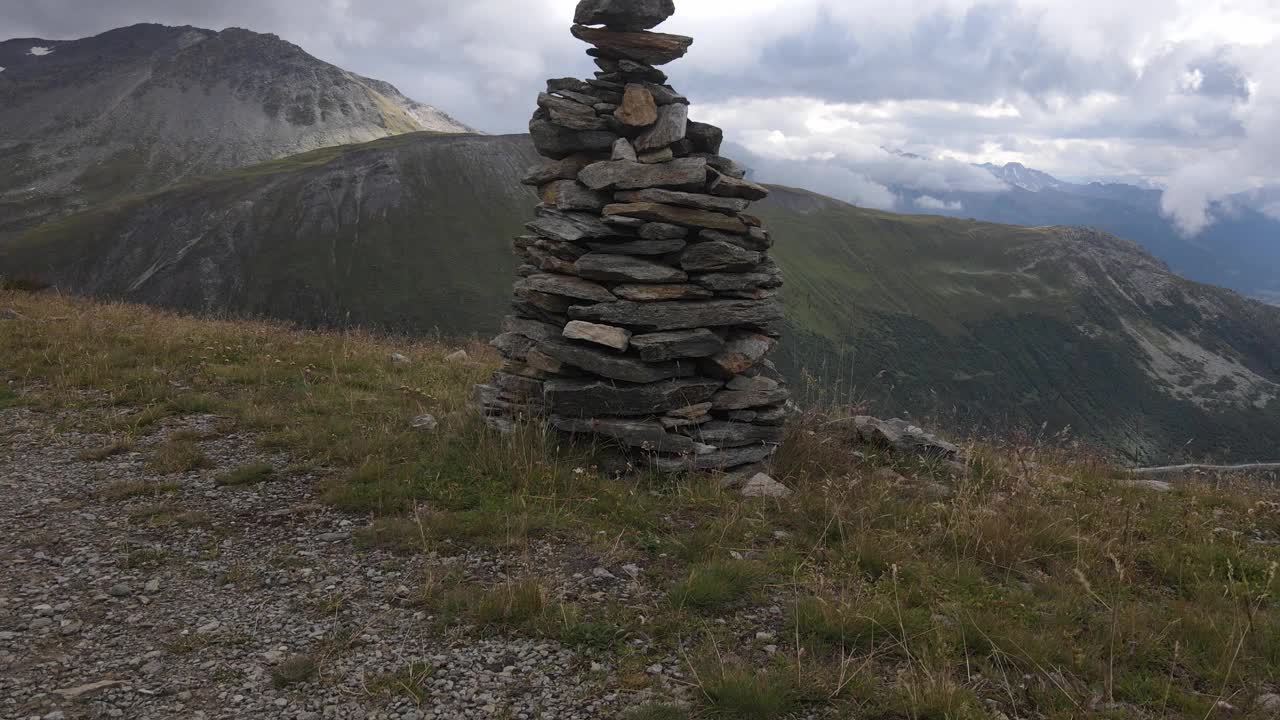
x=738, y=282
x=741, y=353
x=676, y=423
x=731, y=434
x=725, y=185
x=633, y=70
x=762, y=485
x=594, y=98
x=570, y=113
x=512, y=345
x=648, y=48
x=662, y=231
x=771, y=415
x=570, y=226
x=516, y=387
x=457, y=357
x=625, y=269
x=612, y=366
x=902, y=436
x=119, y=590
x=572, y=195
x=608, y=86
x=555, y=141
x=567, y=286
x=564, y=169
x=552, y=304
x=640, y=247
x=747, y=399
x=424, y=423
x=606, y=335
x=718, y=460
x=697, y=343
x=566, y=85
x=531, y=329
x=399, y=358
x=585, y=398
x=664, y=95
x=656, y=156
x=705, y=138
x=624, y=14
x=545, y=261
x=542, y=362
x=624, y=222
x=658, y=293
x=723, y=165
x=676, y=215
x=718, y=256
x=670, y=127
x=646, y=434
x=623, y=175
x=755, y=239
x=691, y=200
x=758, y=382
x=659, y=316
x=623, y=151
x=699, y=410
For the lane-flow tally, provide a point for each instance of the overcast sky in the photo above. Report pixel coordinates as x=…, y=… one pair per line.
x=1184, y=92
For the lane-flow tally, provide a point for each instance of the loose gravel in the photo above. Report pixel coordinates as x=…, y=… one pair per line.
x=253, y=602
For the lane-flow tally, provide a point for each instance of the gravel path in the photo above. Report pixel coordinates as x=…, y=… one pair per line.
x=195, y=611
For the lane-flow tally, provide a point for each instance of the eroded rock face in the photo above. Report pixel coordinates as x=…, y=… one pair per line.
x=646, y=304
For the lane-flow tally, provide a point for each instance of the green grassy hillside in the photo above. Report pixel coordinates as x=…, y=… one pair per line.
x=981, y=327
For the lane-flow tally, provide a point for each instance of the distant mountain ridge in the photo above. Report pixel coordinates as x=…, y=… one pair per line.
x=1020, y=176
x=135, y=109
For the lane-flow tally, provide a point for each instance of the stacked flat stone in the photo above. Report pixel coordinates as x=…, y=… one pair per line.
x=647, y=301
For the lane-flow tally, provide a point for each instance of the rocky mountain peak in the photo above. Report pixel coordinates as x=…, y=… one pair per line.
x=1021, y=176
x=137, y=108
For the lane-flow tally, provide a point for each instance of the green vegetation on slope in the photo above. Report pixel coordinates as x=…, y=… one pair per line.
x=1037, y=585
x=983, y=328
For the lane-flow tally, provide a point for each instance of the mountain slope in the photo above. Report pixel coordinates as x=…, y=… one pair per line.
x=986, y=327
x=1240, y=250
x=137, y=108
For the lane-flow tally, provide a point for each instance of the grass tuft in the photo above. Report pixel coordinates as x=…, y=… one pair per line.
x=294, y=670
x=111, y=449
x=246, y=475
x=177, y=456
x=409, y=682
x=130, y=489
x=717, y=584
x=739, y=693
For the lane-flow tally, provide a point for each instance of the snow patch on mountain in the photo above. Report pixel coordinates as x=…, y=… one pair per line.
x=40, y=51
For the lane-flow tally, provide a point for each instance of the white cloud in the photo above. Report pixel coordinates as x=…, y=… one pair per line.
x=927, y=202
x=1179, y=91
x=1244, y=162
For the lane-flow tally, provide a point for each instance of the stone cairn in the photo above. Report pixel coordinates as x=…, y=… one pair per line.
x=647, y=301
